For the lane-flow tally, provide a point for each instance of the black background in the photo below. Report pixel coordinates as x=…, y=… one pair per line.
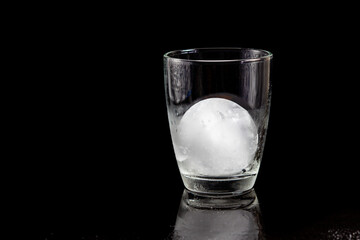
x=91, y=153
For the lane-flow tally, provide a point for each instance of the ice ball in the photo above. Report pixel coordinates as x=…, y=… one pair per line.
x=216, y=137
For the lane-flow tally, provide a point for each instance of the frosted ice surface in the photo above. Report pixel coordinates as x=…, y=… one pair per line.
x=216, y=137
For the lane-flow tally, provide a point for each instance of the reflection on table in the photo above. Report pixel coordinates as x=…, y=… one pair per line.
x=227, y=218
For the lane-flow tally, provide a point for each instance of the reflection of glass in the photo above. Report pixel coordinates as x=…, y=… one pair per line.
x=200, y=221
x=218, y=102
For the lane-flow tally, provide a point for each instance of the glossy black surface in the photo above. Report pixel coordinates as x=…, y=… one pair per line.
x=90, y=148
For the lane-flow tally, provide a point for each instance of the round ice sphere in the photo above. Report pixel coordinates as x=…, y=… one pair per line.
x=216, y=137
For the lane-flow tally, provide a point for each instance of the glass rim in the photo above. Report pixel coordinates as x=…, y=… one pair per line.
x=267, y=55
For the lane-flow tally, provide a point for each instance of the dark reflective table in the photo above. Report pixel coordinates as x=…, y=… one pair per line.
x=188, y=216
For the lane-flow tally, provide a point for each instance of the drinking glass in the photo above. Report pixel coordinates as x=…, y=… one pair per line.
x=218, y=103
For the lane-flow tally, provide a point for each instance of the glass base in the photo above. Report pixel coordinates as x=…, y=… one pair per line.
x=219, y=186
x=204, y=201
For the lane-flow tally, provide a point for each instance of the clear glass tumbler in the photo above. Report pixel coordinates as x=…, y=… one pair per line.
x=218, y=102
